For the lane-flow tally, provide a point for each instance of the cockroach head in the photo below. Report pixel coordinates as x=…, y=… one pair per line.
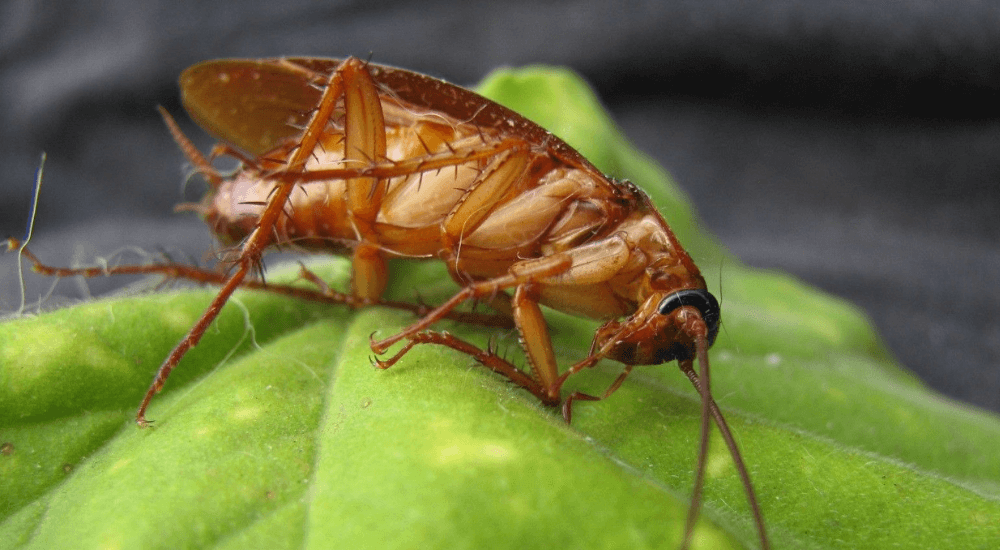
x=698, y=298
x=664, y=328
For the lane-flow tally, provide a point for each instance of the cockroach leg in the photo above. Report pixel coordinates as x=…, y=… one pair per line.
x=527, y=270
x=370, y=274
x=253, y=246
x=169, y=271
x=193, y=336
x=203, y=276
x=487, y=358
x=535, y=339
x=567, y=408
x=200, y=163
x=364, y=143
x=226, y=150
x=386, y=169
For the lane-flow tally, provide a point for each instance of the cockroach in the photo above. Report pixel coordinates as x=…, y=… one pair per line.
x=376, y=162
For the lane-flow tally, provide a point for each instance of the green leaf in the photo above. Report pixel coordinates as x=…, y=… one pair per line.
x=276, y=432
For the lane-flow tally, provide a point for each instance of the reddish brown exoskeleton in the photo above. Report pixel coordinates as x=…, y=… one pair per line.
x=376, y=162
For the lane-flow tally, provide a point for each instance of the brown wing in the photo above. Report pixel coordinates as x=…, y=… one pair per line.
x=252, y=104
x=255, y=104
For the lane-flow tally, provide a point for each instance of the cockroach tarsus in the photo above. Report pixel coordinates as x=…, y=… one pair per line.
x=375, y=162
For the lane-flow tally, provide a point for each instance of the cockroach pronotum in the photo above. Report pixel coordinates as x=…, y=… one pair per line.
x=375, y=162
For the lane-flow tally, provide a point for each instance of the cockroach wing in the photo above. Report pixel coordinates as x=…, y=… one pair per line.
x=253, y=104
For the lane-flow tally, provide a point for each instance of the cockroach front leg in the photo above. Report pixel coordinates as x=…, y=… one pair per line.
x=527, y=318
x=548, y=266
x=488, y=358
x=567, y=408
x=544, y=381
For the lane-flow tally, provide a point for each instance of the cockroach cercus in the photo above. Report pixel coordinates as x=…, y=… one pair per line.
x=376, y=162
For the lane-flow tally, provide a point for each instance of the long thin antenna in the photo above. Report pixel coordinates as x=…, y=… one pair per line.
x=734, y=452
x=705, y=392
x=28, y=231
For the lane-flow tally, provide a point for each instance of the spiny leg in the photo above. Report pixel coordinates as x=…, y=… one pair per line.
x=546, y=382
x=527, y=317
x=385, y=169
x=527, y=277
x=592, y=358
x=587, y=362
x=322, y=294
x=327, y=295
x=201, y=164
x=249, y=257
x=364, y=142
x=487, y=358
x=505, y=169
x=550, y=265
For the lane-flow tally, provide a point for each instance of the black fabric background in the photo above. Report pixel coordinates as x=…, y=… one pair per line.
x=854, y=144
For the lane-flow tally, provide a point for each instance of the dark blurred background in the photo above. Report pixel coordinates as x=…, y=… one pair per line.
x=855, y=144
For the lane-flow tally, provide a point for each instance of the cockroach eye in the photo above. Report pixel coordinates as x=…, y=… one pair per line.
x=700, y=299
